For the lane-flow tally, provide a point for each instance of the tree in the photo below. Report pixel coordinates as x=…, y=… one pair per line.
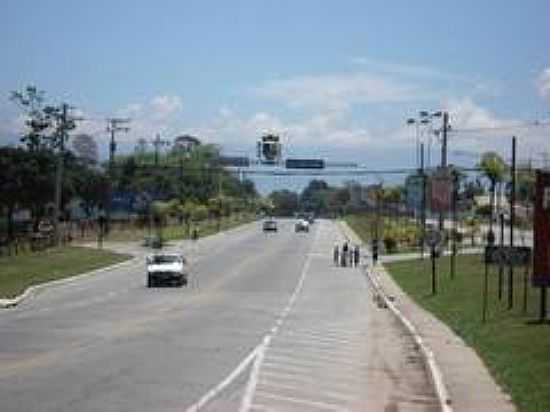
x=494, y=169
x=14, y=176
x=31, y=100
x=285, y=202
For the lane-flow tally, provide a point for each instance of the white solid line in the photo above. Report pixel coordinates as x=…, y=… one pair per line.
x=223, y=384
x=250, y=390
x=318, y=405
x=296, y=370
x=329, y=382
x=344, y=362
x=337, y=395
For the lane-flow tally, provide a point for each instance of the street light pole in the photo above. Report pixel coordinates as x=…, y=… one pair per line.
x=113, y=126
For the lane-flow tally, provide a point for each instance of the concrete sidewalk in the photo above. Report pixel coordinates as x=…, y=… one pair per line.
x=470, y=386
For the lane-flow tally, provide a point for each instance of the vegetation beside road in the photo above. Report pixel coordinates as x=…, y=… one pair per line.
x=398, y=234
x=17, y=273
x=177, y=232
x=514, y=349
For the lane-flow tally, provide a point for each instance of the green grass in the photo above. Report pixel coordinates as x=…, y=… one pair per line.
x=516, y=351
x=17, y=273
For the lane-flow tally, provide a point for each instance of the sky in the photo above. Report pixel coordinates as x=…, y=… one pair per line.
x=335, y=79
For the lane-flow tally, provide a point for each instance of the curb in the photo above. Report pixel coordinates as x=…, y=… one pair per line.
x=32, y=290
x=429, y=358
x=435, y=372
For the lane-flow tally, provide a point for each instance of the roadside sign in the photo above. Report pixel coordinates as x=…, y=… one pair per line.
x=441, y=191
x=541, y=224
x=305, y=164
x=508, y=255
x=415, y=190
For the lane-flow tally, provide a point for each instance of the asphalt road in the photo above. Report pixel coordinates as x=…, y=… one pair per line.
x=267, y=323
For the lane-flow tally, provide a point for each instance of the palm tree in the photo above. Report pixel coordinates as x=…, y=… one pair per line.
x=494, y=169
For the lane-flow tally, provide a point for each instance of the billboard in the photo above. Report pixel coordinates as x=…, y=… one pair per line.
x=441, y=189
x=541, y=268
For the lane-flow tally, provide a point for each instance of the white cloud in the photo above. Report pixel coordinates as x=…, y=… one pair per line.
x=408, y=70
x=543, y=83
x=161, y=114
x=164, y=106
x=477, y=129
x=338, y=91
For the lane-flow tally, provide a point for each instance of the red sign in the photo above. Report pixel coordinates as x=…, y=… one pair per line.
x=441, y=191
x=541, y=269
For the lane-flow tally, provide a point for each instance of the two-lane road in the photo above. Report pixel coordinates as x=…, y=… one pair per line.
x=107, y=343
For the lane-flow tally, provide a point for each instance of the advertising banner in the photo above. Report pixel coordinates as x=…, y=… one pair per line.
x=541, y=268
x=441, y=186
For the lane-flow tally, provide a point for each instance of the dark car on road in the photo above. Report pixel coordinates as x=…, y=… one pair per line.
x=302, y=225
x=270, y=226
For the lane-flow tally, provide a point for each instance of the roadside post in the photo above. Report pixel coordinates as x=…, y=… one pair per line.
x=502, y=256
x=501, y=264
x=541, y=225
x=101, y=220
x=433, y=239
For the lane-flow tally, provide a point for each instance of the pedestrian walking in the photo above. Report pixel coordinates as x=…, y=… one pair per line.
x=345, y=254
x=356, y=255
x=335, y=255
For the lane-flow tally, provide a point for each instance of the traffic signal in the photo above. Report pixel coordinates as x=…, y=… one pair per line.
x=269, y=149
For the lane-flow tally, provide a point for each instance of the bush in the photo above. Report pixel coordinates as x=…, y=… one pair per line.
x=484, y=211
x=390, y=244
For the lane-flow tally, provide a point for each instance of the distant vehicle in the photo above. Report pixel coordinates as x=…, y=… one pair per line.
x=302, y=225
x=270, y=226
x=311, y=218
x=167, y=269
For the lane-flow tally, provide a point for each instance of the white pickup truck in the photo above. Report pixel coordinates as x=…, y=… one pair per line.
x=167, y=269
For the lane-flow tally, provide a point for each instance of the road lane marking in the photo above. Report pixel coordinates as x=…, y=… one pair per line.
x=250, y=389
x=317, y=360
x=346, y=397
x=256, y=355
x=321, y=406
x=212, y=393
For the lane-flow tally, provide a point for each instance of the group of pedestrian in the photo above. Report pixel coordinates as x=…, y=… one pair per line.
x=346, y=256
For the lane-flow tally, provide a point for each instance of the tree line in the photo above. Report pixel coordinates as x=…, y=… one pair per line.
x=189, y=184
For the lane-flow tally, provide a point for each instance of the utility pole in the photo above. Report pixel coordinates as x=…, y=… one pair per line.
x=512, y=221
x=423, y=201
x=114, y=125
x=444, y=159
x=64, y=123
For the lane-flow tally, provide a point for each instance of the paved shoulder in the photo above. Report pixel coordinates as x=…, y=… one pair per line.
x=335, y=350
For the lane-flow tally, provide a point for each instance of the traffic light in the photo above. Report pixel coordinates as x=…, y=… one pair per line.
x=269, y=149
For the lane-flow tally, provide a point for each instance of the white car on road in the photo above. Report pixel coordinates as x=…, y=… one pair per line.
x=167, y=268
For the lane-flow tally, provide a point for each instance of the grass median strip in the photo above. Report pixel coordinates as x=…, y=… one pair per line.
x=515, y=350
x=17, y=273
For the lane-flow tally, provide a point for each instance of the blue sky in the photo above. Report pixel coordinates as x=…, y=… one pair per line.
x=336, y=78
